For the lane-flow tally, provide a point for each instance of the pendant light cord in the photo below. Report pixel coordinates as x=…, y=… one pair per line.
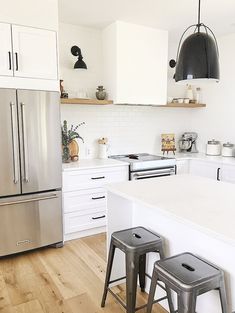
x=199, y=15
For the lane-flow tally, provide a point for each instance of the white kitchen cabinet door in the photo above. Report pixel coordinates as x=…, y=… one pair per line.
x=34, y=52
x=227, y=174
x=135, y=63
x=6, y=65
x=182, y=167
x=204, y=169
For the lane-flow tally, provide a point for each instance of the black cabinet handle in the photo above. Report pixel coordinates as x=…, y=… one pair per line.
x=100, y=177
x=9, y=56
x=16, y=55
x=218, y=174
x=98, y=198
x=98, y=217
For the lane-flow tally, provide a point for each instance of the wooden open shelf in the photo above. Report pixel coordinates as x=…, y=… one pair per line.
x=85, y=101
x=105, y=102
x=182, y=105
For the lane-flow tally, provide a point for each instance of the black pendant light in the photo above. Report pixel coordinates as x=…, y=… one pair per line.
x=198, y=56
x=80, y=64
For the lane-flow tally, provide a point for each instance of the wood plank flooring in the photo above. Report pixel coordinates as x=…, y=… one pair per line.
x=66, y=280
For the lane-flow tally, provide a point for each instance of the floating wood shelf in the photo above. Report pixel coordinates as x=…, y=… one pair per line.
x=183, y=105
x=105, y=102
x=85, y=101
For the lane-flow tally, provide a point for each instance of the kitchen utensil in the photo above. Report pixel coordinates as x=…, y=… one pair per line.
x=228, y=150
x=213, y=147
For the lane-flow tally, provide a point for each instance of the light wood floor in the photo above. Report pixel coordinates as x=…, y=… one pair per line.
x=66, y=280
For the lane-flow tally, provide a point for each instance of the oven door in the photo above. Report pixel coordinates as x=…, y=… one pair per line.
x=152, y=173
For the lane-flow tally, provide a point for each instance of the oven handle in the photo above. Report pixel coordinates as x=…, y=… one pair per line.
x=156, y=173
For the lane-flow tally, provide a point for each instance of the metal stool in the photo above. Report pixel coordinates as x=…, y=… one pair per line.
x=135, y=243
x=189, y=276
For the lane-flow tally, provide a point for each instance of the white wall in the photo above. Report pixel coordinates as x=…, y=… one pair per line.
x=42, y=14
x=89, y=41
x=129, y=129
x=217, y=120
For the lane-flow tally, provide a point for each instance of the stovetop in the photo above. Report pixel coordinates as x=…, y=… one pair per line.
x=142, y=161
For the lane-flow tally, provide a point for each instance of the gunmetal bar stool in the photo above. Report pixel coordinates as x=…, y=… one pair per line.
x=135, y=243
x=189, y=276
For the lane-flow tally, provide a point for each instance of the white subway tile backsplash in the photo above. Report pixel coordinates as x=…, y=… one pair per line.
x=129, y=129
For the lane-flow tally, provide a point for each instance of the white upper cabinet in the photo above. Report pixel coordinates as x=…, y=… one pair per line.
x=34, y=52
x=135, y=63
x=27, y=52
x=6, y=65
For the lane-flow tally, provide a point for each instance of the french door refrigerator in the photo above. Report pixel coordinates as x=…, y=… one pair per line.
x=30, y=170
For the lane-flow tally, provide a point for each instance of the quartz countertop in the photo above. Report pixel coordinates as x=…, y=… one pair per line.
x=202, y=156
x=200, y=202
x=92, y=163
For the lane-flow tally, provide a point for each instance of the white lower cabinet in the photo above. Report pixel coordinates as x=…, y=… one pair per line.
x=204, y=168
x=182, y=167
x=85, y=199
x=227, y=173
x=214, y=170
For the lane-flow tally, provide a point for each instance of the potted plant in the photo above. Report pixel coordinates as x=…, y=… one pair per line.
x=68, y=137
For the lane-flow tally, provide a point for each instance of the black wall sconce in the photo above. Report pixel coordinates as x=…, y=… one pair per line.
x=76, y=51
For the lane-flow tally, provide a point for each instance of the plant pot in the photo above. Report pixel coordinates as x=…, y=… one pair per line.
x=65, y=154
x=74, y=150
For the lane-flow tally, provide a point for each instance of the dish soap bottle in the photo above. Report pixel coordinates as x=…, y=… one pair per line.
x=189, y=92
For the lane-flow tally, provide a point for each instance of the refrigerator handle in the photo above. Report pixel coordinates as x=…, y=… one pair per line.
x=41, y=198
x=14, y=144
x=25, y=147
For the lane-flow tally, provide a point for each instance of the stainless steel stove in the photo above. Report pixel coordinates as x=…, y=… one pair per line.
x=144, y=165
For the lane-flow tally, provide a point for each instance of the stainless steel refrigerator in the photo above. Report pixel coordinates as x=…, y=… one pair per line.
x=30, y=170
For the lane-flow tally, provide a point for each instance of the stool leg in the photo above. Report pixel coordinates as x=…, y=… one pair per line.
x=223, y=297
x=108, y=272
x=152, y=291
x=132, y=269
x=142, y=269
x=168, y=291
x=187, y=302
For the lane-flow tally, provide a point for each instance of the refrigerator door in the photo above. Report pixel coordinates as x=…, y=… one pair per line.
x=29, y=222
x=9, y=148
x=40, y=140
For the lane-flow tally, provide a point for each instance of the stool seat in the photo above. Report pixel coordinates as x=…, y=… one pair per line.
x=137, y=238
x=189, y=276
x=188, y=270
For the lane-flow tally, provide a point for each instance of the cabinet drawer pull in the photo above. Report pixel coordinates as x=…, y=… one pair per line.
x=98, y=198
x=9, y=56
x=218, y=174
x=99, y=177
x=98, y=217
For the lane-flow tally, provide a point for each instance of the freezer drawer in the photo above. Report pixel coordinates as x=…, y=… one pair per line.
x=29, y=222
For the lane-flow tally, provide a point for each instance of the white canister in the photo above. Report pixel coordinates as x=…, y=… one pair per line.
x=213, y=147
x=103, y=151
x=228, y=150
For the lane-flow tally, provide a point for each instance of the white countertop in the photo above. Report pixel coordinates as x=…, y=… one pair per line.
x=200, y=202
x=202, y=156
x=92, y=163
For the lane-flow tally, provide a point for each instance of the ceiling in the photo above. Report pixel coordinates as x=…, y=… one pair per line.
x=171, y=15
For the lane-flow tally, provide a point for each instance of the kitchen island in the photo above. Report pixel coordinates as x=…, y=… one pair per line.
x=192, y=213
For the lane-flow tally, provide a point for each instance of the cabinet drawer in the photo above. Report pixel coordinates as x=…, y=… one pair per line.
x=83, y=179
x=74, y=222
x=84, y=200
